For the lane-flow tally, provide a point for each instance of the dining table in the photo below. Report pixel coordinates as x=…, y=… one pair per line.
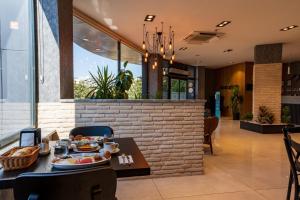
x=127, y=146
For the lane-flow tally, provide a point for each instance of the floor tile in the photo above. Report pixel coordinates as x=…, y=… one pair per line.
x=137, y=189
x=274, y=194
x=214, y=182
x=247, y=195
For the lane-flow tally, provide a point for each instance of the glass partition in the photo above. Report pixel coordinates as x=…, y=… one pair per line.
x=134, y=59
x=17, y=68
x=92, y=49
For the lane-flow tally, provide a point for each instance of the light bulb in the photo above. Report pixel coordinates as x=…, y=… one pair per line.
x=144, y=45
x=173, y=57
x=146, y=60
x=170, y=45
x=161, y=48
x=146, y=54
x=171, y=62
x=164, y=56
x=155, y=63
x=153, y=66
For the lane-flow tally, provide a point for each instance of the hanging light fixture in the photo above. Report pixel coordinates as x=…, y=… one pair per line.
x=158, y=46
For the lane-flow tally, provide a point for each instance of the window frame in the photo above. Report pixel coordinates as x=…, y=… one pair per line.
x=33, y=70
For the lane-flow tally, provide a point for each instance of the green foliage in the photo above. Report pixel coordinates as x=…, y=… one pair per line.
x=285, y=115
x=248, y=116
x=102, y=84
x=236, y=100
x=178, y=86
x=81, y=89
x=135, y=91
x=123, y=83
x=158, y=95
x=265, y=116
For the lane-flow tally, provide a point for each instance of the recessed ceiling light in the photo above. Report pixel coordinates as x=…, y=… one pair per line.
x=85, y=39
x=97, y=49
x=288, y=28
x=223, y=23
x=149, y=18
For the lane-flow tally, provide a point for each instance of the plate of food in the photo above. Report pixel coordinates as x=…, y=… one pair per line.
x=86, y=147
x=82, y=160
x=84, y=139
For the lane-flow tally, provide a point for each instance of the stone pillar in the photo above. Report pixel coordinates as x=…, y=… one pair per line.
x=55, y=50
x=267, y=76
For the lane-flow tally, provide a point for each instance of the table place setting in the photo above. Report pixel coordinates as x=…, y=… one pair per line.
x=125, y=159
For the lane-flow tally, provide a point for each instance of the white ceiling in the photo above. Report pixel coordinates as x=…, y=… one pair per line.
x=253, y=22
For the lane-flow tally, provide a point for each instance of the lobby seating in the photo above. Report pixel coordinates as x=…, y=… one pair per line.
x=210, y=124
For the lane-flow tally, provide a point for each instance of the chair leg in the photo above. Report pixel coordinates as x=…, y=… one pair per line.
x=296, y=186
x=211, y=147
x=288, y=194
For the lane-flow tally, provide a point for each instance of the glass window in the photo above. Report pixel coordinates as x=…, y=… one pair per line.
x=134, y=59
x=91, y=48
x=178, y=89
x=16, y=68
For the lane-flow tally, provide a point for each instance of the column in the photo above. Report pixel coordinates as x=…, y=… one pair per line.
x=267, y=76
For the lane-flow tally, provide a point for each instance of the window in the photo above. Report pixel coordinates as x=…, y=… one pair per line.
x=135, y=66
x=94, y=48
x=17, y=68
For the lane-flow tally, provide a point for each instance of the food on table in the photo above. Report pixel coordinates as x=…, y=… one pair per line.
x=78, y=160
x=22, y=152
x=107, y=154
x=87, y=147
x=97, y=158
x=84, y=160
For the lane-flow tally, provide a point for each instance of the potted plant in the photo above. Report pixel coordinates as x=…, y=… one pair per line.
x=248, y=116
x=265, y=116
x=285, y=115
x=236, y=100
x=123, y=82
x=102, y=84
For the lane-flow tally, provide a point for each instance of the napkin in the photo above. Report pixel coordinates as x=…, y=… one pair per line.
x=125, y=160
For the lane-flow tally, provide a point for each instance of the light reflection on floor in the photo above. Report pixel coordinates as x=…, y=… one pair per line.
x=246, y=165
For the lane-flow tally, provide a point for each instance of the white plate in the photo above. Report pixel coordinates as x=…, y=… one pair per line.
x=117, y=150
x=79, y=166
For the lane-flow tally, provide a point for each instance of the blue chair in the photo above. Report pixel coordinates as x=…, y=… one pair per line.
x=92, y=131
x=88, y=184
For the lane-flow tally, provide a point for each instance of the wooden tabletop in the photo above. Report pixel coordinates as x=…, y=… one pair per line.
x=127, y=145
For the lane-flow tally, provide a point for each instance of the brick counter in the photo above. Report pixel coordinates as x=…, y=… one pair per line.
x=169, y=133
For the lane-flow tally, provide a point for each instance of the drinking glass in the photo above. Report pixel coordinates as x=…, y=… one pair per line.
x=61, y=150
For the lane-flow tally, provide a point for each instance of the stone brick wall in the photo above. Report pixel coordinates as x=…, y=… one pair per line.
x=169, y=133
x=267, y=88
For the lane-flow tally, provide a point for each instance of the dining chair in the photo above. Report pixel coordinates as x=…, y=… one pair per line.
x=210, y=125
x=293, y=152
x=88, y=184
x=92, y=131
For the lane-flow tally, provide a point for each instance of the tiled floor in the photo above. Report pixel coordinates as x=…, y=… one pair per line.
x=246, y=166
